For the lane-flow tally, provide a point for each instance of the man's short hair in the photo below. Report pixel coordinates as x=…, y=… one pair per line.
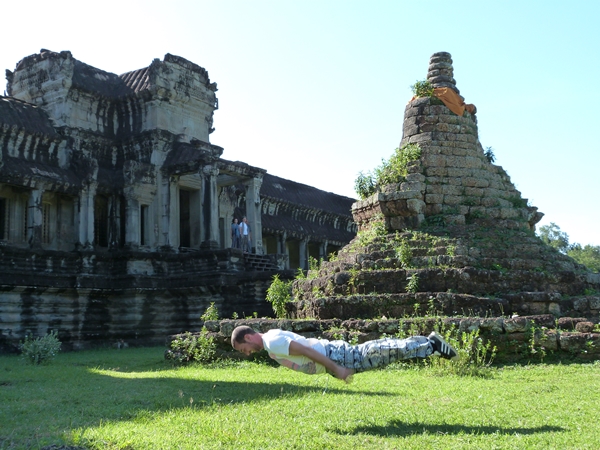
x=239, y=333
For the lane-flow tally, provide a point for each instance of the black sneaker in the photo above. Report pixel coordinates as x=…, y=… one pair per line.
x=442, y=348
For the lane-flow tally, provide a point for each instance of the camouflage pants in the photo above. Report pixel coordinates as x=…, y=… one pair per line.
x=377, y=353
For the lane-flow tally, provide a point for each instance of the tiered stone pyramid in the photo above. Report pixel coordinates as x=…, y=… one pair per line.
x=455, y=237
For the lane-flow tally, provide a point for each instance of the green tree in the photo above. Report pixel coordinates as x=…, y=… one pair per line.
x=589, y=256
x=553, y=236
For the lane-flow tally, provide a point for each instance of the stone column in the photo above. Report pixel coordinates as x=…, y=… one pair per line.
x=253, y=212
x=323, y=250
x=169, y=213
x=114, y=219
x=86, y=216
x=281, y=249
x=35, y=218
x=132, y=221
x=210, y=208
x=303, y=252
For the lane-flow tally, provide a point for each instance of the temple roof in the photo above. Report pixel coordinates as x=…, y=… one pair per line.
x=24, y=115
x=302, y=194
x=91, y=79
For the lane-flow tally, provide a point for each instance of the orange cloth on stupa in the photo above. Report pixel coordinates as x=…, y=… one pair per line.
x=453, y=101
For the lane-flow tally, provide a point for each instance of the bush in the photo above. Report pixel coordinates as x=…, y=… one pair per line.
x=211, y=313
x=189, y=347
x=40, y=350
x=392, y=171
x=278, y=294
x=422, y=89
x=475, y=356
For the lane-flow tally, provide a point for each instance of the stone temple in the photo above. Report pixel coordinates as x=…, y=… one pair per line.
x=454, y=236
x=115, y=208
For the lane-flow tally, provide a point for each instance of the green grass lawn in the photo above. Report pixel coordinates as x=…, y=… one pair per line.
x=133, y=399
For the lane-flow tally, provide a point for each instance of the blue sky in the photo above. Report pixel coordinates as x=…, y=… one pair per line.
x=314, y=91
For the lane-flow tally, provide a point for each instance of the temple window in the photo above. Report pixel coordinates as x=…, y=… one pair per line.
x=144, y=225
x=4, y=219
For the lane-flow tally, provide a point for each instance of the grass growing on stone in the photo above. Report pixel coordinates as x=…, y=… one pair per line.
x=132, y=399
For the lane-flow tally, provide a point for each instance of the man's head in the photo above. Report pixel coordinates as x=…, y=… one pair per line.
x=244, y=219
x=244, y=339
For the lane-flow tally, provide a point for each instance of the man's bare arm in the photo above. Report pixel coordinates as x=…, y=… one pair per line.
x=340, y=372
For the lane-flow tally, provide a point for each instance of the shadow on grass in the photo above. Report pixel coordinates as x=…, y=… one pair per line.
x=81, y=393
x=399, y=428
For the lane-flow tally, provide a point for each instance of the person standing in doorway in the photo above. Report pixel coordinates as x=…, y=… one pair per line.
x=245, y=234
x=235, y=234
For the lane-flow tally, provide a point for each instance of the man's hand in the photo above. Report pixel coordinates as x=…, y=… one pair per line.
x=344, y=374
x=340, y=372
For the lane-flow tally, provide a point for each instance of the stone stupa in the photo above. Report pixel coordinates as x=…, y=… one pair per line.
x=455, y=236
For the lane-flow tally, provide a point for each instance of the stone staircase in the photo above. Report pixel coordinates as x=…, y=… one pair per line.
x=450, y=271
x=260, y=263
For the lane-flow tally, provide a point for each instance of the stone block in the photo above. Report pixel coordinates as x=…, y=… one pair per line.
x=554, y=308
x=594, y=302
x=452, y=199
x=458, y=172
x=436, y=171
x=581, y=304
x=455, y=219
x=458, y=151
x=416, y=206
x=472, y=162
x=434, y=189
x=494, y=325
x=508, y=213
x=516, y=325
x=584, y=327
x=469, y=324
x=431, y=160
x=452, y=190
x=573, y=342
x=473, y=191
x=546, y=339
x=414, y=186
x=433, y=209
x=489, y=202
x=470, y=182
x=456, y=161
x=477, y=211
x=415, y=177
x=434, y=198
x=463, y=209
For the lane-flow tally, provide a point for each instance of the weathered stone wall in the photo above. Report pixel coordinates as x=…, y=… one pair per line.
x=94, y=299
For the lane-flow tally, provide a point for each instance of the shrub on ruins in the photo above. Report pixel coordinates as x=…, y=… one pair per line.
x=475, y=354
x=422, y=89
x=188, y=347
x=391, y=171
x=211, y=313
x=40, y=350
x=278, y=294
